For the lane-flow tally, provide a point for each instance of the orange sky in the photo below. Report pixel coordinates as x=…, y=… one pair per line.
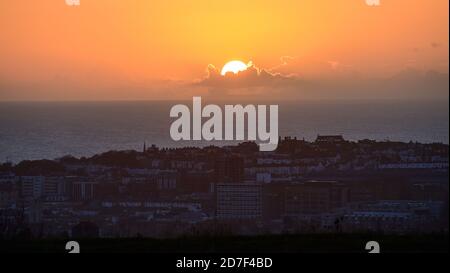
x=49, y=50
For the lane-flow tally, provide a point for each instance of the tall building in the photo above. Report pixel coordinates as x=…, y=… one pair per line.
x=32, y=186
x=84, y=190
x=55, y=186
x=238, y=200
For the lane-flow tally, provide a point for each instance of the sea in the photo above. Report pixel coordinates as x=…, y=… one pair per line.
x=49, y=130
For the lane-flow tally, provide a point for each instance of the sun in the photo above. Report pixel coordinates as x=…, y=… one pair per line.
x=233, y=66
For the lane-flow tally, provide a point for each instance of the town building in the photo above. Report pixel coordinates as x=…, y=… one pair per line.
x=239, y=200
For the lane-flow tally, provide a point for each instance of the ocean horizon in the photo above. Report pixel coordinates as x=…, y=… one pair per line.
x=49, y=130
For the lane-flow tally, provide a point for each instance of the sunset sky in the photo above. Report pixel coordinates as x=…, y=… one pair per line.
x=137, y=49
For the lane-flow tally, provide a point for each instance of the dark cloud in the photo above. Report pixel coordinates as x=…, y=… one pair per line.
x=407, y=84
x=252, y=77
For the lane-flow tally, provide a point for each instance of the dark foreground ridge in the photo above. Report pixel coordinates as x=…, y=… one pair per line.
x=304, y=243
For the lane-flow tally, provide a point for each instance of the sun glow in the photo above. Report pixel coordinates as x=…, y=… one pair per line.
x=233, y=66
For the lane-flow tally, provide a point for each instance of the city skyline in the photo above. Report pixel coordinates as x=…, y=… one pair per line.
x=327, y=185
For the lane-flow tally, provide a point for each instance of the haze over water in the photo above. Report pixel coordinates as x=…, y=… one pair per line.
x=38, y=130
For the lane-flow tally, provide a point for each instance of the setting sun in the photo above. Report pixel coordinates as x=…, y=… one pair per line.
x=233, y=66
